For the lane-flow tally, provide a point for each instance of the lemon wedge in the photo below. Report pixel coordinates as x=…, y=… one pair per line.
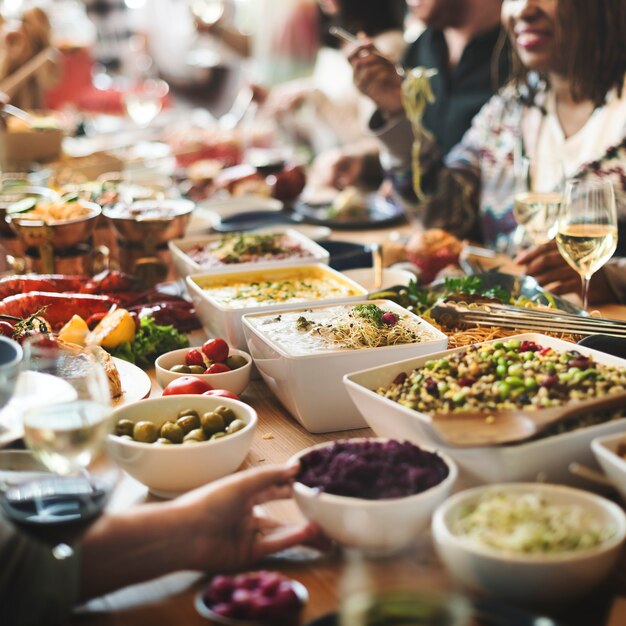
x=113, y=329
x=74, y=331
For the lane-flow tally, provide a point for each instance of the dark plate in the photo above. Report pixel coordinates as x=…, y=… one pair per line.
x=521, y=286
x=345, y=255
x=251, y=220
x=611, y=345
x=379, y=211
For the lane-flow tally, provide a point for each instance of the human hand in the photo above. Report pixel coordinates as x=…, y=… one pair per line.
x=338, y=168
x=545, y=263
x=224, y=529
x=376, y=77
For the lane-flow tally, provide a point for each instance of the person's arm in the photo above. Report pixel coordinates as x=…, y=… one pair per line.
x=35, y=586
x=213, y=528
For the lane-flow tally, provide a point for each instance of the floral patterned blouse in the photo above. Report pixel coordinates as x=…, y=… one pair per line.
x=471, y=194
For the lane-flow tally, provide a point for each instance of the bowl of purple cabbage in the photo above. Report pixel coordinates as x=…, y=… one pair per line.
x=372, y=494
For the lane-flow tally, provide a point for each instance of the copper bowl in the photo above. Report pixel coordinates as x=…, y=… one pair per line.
x=150, y=222
x=61, y=235
x=11, y=194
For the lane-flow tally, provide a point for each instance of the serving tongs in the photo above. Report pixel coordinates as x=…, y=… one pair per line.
x=457, y=314
x=491, y=428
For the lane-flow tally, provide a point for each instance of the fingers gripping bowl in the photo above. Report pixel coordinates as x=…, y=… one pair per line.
x=351, y=488
x=168, y=470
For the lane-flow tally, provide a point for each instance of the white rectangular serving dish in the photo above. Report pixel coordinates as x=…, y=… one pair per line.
x=225, y=322
x=544, y=459
x=185, y=265
x=310, y=386
x=605, y=450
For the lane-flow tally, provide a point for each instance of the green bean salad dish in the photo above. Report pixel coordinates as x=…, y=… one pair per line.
x=504, y=375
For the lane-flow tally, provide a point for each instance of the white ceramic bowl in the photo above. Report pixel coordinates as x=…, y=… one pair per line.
x=221, y=320
x=310, y=386
x=614, y=465
x=391, y=277
x=186, y=265
x=546, y=458
x=235, y=380
x=170, y=470
x=374, y=526
x=533, y=580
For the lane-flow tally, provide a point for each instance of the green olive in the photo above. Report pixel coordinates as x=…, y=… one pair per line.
x=172, y=432
x=217, y=436
x=235, y=361
x=197, y=369
x=212, y=423
x=124, y=427
x=188, y=422
x=188, y=412
x=180, y=369
x=235, y=425
x=163, y=441
x=196, y=434
x=145, y=432
x=226, y=412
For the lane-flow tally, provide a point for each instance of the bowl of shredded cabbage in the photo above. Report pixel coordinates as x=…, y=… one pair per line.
x=532, y=544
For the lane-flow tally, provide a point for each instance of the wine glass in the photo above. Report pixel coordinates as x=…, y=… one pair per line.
x=538, y=198
x=206, y=13
x=143, y=100
x=587, y=228
x=64, y=399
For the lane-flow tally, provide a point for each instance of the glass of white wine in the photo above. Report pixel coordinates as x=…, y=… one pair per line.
x=587, y=228
x=65, y=402
x=538, y=199
x=207, y=13
x=143, y=100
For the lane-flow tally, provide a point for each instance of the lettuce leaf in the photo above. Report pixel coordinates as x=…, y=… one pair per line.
x=151, y=340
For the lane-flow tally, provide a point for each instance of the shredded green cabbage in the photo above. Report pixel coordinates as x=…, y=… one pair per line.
x=529, y=523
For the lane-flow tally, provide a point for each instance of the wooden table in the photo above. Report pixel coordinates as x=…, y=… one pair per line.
x=170, y=600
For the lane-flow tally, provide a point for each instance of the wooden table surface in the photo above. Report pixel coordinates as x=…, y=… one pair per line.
x=170, y=600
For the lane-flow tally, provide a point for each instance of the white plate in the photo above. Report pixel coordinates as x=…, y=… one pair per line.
x=391, y=277
x=316, y=233
x=136, y=385
x=231, y=206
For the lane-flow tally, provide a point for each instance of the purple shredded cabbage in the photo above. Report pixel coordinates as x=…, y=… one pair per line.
x=372, y=470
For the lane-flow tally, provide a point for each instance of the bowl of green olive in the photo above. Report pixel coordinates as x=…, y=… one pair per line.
x=220, y=366
x=176, y=443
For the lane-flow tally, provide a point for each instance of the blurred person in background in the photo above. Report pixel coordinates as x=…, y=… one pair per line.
x=566, y=101
x=113, y=31
x=282, y=42
x=325, y=109
x=461, y=42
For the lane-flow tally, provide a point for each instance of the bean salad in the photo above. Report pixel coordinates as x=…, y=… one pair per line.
x=504, y=375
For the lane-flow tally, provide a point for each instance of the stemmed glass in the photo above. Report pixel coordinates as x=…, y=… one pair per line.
x=587, y=228
x=207, y=13
x=143, y=100
x=64, y=399
x=537, y=200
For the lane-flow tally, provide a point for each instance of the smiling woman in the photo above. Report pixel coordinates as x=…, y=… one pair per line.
x=565, y=103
